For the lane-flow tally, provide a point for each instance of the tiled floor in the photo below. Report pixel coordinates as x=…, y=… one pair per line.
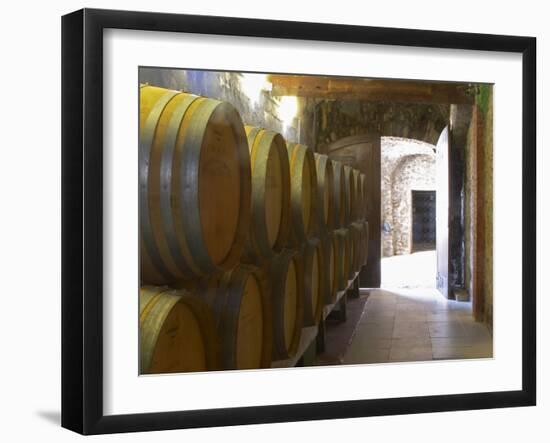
x=415, y=325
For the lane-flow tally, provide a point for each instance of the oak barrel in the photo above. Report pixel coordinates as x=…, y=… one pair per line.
x=314, y=282
x=349, y=191
x=339, y=194
x=330, y=268
x=325, y=192
x=356, y=236
x=177, y=332
x=270, y=211
x=240, y=302
x=343, y=256
x=194, y=185
x=365, y=240
x=363, y=184
x=287, y=299
x=359, y=206
x=303, y=192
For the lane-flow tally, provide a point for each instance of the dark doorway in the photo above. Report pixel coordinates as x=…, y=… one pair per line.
x=423, y=223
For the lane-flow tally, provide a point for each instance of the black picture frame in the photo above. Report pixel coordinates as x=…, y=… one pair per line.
x=82, y=218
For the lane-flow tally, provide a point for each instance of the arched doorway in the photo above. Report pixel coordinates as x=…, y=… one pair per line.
x=396, y=166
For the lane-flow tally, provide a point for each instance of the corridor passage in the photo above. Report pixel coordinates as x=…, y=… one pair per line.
x=416, y=324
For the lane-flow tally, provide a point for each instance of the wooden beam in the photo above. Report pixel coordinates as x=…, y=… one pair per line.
x=346, y=88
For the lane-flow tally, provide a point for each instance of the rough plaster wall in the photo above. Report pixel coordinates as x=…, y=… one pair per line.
x=260, y=110
x=415, y=172
x=469, y=210
x=483, y=135
x=394, y=150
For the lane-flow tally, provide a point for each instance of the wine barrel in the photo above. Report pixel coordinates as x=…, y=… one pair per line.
x=363, y=180
x=352, y=251
x=240, y=302
x=365, y=240
x=356, y=236
x=303, y=193
x=325, y=192
x=343, y=256
x=339, y=194
x=194, y=186
x=330, y=268
x=270, y=211
x=287, y=299
x=359, y=196
x=177, y=332
x=314, y=282
x=349, y=190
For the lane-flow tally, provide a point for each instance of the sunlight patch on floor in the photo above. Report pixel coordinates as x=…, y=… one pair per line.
x=416, y=270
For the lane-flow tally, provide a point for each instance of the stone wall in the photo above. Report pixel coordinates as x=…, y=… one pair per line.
x=413, y=163
x=323, y=122
x=416, y=172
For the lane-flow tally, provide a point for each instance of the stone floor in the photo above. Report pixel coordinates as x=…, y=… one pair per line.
x=340, y=334
x=416, y=270
x=419, y=324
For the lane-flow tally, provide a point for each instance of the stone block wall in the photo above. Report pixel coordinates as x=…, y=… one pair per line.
x=416, y=172
x=406, y=165
x=324, y=122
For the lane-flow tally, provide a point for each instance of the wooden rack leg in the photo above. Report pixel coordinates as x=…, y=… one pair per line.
x=309, y=358
x=341, y=313
x=321, y=337
x=353, y=291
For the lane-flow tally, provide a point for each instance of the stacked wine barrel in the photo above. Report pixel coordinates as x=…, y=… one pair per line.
x=244, y=237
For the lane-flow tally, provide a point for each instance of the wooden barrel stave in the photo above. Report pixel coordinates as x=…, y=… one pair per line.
x=287, y=299
x=362, y=184
x=343, y=249
x=330, y=271
x=177, y=332
x=365, y=242
x=248, y=281
x=303, y=193
x=339, y=194
x=193, y=152
x=314, y=282
x=356, y=235
x=240, y=302
x=270, y=201
x=349, y=190
x=359, y=198
x=325, y=192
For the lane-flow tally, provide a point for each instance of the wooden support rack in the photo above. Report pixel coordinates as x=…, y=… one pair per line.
x=309, y=334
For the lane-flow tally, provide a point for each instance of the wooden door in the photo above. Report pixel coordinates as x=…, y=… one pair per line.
x=442, y=212
x=363, y=152
x=423, y=221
